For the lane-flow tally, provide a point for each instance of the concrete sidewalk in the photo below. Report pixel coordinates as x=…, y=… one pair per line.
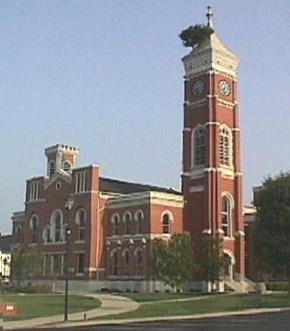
x=110, y=304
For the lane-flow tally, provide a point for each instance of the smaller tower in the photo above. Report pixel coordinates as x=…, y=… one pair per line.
x=61, y=158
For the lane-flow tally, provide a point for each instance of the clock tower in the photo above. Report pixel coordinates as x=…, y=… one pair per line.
x=212, y=175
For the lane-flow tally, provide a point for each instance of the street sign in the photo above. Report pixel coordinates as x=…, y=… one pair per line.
x=8, y=309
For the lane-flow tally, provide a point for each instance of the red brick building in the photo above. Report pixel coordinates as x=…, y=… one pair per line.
x=113, y=223
x=212, y=175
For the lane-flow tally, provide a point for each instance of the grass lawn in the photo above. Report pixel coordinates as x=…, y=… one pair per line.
x=214, y=303
x=36, y=305
x=146, y=297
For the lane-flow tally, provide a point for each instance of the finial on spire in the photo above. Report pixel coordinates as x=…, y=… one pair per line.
x=209, y=16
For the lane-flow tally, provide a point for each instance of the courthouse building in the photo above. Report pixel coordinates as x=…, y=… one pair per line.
x=109, y=225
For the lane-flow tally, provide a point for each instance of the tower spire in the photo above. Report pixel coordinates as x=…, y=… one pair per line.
x=209, y=16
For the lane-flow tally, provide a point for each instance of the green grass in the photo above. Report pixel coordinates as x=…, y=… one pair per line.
x=146, y=297
x=215, y=303
x=36, y=305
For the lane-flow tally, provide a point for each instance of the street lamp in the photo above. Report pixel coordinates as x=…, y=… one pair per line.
x=68, y=206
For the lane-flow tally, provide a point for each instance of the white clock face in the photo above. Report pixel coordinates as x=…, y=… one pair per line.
x=224, y=88
x=198, y=88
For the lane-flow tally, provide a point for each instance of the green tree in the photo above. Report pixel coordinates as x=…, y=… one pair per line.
x=272, y=233
x=193, y=35
x=213, y=262
x=172, y=261
x=25, y=264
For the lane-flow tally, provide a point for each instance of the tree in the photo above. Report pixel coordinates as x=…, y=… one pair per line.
x=25, y=264
x=193, y=35
x=272, y=232
x=172, y=261
x=213, y=263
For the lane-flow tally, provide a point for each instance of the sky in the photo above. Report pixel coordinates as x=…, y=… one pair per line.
x=106, y=76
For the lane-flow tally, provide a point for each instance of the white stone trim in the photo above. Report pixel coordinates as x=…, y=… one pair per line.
x=211, y=169
x=113, y=217
x=225, y=104
x=220, y=231
x=230, y=254
x=212, y=123
x=196, y=104
x=239, y=233
x=146, y=198
x=196, y=173
x=171, y=218
x=130, y=217
x=206, y=231
x=211, y=55
x=138, y=212
x=196, y=189
x=238, y=174
x=230, y=197
x=79, y=251
x=165, y=236
x=124, y=238
x=227, y=172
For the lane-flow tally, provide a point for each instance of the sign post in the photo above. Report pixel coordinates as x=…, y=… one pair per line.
x=6, y=309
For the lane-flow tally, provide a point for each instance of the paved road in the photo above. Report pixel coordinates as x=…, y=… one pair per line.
x=279, y=321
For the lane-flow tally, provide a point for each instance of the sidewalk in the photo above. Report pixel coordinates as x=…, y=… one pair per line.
x=110, y=304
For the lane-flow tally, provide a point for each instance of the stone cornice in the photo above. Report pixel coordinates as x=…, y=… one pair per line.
x=146, y=198
x=211, y=55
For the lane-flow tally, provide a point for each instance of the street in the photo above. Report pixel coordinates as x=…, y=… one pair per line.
x=259, y=322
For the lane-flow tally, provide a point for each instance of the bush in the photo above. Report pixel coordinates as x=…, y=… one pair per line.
x=29, y=289
x=277, y=286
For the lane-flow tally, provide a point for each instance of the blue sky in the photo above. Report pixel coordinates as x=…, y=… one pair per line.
x=106, y=76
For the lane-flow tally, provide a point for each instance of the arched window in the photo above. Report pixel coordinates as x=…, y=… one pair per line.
x=227, y=206
x=56, y=225
x=199, y=146
x=66, y=166
x=33, y=222
x=225, y=146
x=167, y=220
x=81, y=219
x=17, y=229
x=127, y=219
x=115, y=220
x=140, y=221
x=51, y=168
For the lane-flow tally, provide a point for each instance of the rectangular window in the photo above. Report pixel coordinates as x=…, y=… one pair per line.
x=81, y=181
x=57, y=264
x=33, y=191
x=46, y=264
x=80, y=263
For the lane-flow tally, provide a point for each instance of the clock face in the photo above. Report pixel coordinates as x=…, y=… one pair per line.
x=198, y=88
x=224, y=88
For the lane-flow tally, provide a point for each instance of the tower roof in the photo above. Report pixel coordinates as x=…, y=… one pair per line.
x=210, y=54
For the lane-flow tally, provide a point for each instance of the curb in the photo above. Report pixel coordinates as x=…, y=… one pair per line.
x=160, y=319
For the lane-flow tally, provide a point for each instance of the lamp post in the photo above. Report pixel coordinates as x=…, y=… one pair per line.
x=68, y=206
